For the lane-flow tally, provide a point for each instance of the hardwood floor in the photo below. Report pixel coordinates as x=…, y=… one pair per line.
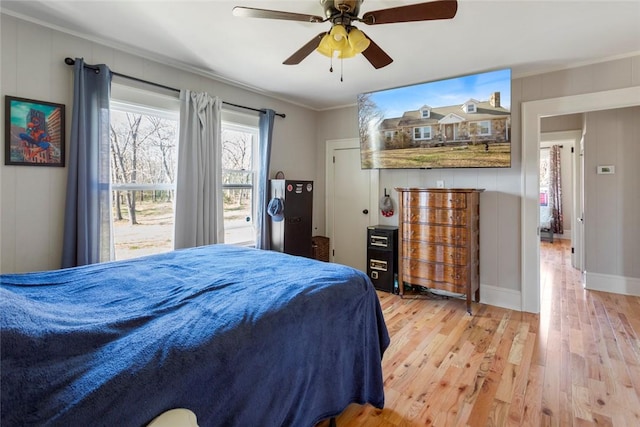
x=576, y=363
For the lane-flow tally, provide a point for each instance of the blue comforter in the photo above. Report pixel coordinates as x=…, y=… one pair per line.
x=242, y=337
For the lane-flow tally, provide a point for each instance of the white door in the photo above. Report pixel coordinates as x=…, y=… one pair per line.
x=577, y=236
x=350, y=193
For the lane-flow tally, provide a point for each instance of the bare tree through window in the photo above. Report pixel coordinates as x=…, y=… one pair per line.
x=238, y=177
x=143, y=166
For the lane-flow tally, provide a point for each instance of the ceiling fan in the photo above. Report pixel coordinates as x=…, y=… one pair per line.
x=346, y=39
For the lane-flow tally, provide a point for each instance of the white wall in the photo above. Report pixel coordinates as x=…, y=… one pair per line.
x=500, y=220
x=612, y=205
x=561, y=123
x=340, y=123
x=32, y=198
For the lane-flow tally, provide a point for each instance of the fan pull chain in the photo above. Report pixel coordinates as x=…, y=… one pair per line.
x=341, y=61
x=331, y=66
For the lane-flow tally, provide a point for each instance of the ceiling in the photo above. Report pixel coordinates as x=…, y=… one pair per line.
x=528, y=36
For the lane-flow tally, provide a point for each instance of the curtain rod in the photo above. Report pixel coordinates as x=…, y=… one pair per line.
x=549, y=148
x=71, y=61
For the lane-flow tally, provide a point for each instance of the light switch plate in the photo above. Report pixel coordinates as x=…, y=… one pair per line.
x=606, y=170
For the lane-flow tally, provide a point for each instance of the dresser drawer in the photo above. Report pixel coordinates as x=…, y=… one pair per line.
x=435, y=216
x=435, y=200
x=434, y=272
x=436, y=234
x=434, y=253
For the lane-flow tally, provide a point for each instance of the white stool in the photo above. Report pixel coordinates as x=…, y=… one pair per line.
x=179, y=417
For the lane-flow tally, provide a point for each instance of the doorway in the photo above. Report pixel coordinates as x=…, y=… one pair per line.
x=555, y=246
x=532, y=113
x=448, y=132
x=571, y=178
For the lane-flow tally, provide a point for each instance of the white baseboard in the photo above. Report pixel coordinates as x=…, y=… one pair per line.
x=609, y=283
x=500, y=297
x=512, y=300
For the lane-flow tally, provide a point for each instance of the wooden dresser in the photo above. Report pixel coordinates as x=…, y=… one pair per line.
x=439, y=232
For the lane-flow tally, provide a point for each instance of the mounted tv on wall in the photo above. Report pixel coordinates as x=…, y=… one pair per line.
x=462, y=122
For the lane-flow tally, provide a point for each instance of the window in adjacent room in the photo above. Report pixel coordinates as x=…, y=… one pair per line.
x=239, y=163
x=144, y=140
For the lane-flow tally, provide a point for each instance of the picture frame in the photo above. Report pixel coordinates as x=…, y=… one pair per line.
x=34, y=132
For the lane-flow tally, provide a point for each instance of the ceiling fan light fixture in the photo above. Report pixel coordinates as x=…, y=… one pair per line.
x=347, y=52
x=358, y=41
x=325, y=47
x=338, y=37
x=343, y=37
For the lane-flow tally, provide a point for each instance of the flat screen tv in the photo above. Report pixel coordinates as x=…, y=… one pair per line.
x=461, y=122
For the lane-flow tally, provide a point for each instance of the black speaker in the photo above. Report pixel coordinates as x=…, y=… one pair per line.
x=382, y=257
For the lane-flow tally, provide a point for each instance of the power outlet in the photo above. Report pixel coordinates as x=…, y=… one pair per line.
x=440, y=183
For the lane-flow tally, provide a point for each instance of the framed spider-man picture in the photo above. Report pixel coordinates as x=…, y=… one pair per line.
x=34, y=132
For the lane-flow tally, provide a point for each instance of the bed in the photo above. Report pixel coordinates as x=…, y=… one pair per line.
x=239, y=336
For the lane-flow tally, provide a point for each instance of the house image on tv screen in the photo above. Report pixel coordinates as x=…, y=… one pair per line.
x=448, y=130
x=474, y=122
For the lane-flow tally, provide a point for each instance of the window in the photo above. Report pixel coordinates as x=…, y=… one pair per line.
x=484, y=127
x=144, y=140
x=422, y=133
x=426, y=113
x=388, y=135
x=471, y=108
x=239, y=143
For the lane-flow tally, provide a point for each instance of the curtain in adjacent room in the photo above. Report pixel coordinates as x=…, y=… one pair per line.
x=198, y=202
x=87, y=225
x=555, y=190
x=263, y=224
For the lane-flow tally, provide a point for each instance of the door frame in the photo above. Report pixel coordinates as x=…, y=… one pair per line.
x=532, y=112
x=374, y=184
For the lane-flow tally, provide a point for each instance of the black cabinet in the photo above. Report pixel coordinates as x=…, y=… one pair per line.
x=292, y=234
x=382, y=257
